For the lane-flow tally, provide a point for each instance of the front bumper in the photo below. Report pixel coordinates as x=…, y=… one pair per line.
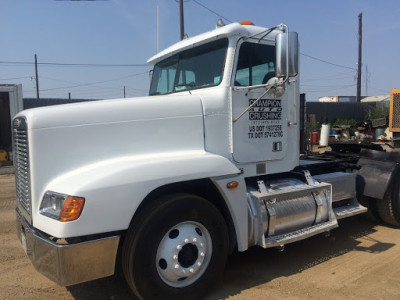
x=68, y=264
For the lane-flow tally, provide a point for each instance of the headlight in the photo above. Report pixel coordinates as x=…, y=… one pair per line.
x=61, y=207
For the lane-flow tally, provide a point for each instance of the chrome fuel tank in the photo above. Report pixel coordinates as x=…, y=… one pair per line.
x=291, y=205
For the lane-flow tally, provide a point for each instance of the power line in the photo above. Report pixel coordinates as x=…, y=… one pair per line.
x=24, y=77
x=330, y=89
x=97, y=87
x=328, y=62
x=331, y=77
x=214, y=12
x=92, y=83
x=70, y=64
x=328, y=86
x=381, y=90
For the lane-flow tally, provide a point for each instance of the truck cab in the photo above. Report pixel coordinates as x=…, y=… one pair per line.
x=171, y=183
x=229, y=68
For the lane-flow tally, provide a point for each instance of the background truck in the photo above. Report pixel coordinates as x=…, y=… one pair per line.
x=10, y=104
x=167, y=186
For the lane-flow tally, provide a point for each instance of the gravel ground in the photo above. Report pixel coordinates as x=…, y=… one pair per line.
x=359, y=260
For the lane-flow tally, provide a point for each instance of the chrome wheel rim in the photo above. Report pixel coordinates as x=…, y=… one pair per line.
x=184, y=254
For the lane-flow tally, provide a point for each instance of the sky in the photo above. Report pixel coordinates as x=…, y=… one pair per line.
x=93, y=49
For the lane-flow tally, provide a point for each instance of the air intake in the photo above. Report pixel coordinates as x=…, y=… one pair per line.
x=21, y=163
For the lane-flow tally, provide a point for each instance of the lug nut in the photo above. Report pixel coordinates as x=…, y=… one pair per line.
x=191, y=270
x=175, y=257
x=176, y=266
x=186, y=241
x=179, y=247
x=194, y=240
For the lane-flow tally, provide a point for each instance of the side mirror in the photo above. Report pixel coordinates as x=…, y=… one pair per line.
x=281, y=59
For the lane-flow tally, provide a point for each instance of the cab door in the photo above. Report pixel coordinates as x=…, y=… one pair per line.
x=261, y=133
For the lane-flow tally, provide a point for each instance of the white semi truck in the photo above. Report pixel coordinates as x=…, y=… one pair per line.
x=168, y=185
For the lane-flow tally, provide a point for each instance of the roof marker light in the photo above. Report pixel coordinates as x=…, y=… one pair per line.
x=247, y=22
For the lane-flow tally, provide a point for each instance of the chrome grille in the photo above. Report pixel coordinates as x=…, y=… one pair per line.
x=21, y=164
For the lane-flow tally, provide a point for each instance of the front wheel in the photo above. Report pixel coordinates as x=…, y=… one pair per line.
x=175, y=249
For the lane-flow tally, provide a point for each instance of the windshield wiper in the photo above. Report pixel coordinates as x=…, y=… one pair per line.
x=186, y=85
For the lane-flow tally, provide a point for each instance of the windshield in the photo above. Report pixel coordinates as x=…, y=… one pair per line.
x=191, y=69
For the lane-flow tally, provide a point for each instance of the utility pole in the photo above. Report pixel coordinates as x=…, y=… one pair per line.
x=69, y=96
x=181, y=19
x=124, y=92
x=37, y=79
x=366, y=80
x=359, y=57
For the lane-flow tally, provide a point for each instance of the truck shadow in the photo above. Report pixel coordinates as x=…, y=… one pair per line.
x=113, y=287
x=259, y=266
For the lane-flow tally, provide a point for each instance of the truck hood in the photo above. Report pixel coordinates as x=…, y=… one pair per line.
x=113, y=111
x=66, y=138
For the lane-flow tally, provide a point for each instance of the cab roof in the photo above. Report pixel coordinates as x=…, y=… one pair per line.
x=234, y=29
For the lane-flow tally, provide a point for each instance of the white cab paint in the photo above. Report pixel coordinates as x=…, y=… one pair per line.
x=115, y=152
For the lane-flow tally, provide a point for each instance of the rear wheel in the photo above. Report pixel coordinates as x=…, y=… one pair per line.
x=389, y=206
x=175, y=249
x=370, y=203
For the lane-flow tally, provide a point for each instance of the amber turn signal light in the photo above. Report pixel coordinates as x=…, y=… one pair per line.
x=72, y=208
x=232, y=185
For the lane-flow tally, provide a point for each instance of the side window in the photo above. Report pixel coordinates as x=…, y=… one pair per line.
x=256, y=64
x=165, y=76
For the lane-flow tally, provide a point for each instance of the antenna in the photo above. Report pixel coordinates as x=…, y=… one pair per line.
x=158, y=28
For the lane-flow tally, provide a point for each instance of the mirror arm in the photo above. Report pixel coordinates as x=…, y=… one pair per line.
x=251, y=87
x=253, y=104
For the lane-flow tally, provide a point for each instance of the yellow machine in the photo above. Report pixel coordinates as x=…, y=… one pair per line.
x=3, y=155
x=394, y=116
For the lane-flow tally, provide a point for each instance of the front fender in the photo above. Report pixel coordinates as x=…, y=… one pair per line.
x=114, y=189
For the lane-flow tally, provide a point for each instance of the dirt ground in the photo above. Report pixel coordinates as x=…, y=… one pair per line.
x=359, y=260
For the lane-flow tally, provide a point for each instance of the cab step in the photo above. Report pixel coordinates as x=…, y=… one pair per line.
x=352, y=209
x=280, y=240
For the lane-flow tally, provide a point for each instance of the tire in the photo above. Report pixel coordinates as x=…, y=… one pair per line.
x=389, y=206
x=370, y=203
x=175, y=249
